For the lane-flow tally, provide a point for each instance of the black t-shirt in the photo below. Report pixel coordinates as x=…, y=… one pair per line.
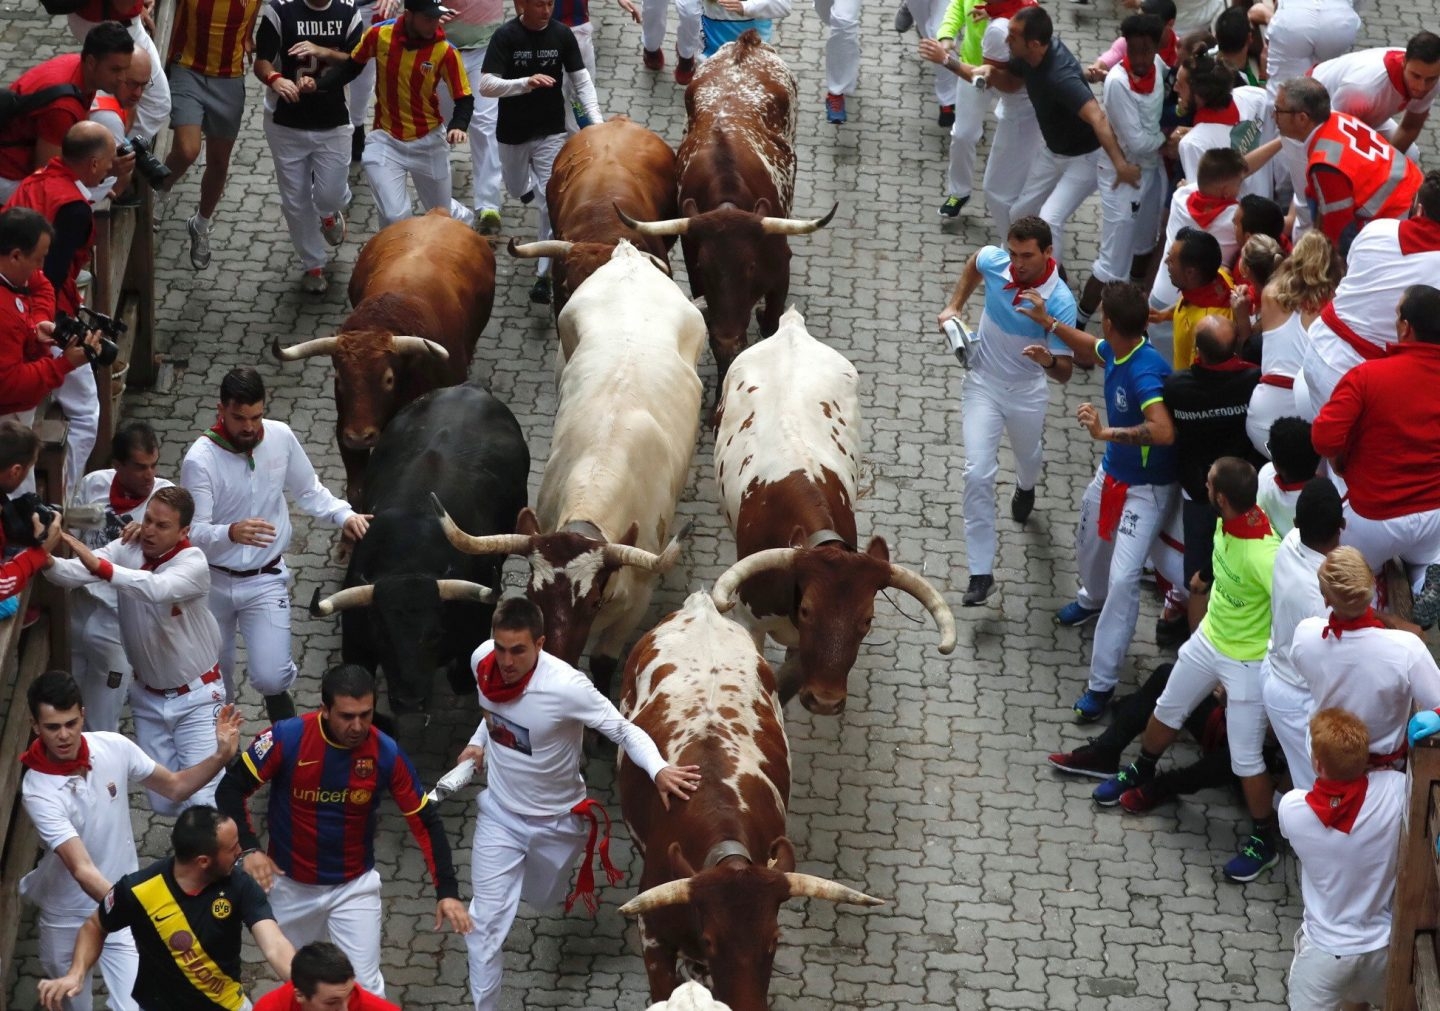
x=286, y=22
x=515, y=51
x=1058, y=91
x=1210, y=406
x=189, y=944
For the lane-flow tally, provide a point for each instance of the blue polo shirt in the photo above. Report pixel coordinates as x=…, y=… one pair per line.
x=1132, y=384
x=1005, y=332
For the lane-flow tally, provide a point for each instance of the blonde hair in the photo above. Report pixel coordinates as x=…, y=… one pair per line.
x=1340, y=743
x=1260, y=257
x=1308, y=279
x=1347, y=582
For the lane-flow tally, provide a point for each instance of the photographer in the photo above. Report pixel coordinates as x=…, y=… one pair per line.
x=19, y=447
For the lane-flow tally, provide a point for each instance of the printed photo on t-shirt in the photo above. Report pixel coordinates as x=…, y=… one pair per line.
x=507, y=733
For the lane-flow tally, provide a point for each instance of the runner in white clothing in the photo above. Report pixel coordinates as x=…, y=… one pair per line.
x=1376, y=85
x=1282, y=481
x=76, y=794
x=1225, y=116
x=534, y=815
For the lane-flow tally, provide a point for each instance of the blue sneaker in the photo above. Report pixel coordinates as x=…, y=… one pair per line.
x=1092, y=705
x=1074, y=613
x=1256, y=856
x=1107, y=794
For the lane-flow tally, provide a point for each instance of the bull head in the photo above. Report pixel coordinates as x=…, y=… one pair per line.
x=574, y=262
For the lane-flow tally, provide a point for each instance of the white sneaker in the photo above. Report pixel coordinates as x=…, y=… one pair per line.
x=314, y=283
x=333, y=228
x=199, y=244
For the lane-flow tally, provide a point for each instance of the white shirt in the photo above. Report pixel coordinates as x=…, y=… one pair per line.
x=1279, y=505
x=1379, y=674
x=1256, y=126
x=1011, y=105
x=1348, y=879
x=93, y=807
x=94, y=489
x=1135, y=118
x=532, y=745
x=227, y=490
x=1376, y=276
x=169, y=633
x=1359, y=84
x=1163, y=293
x=1294, y=596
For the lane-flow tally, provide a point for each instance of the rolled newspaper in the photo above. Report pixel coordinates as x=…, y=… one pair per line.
x=453, y=780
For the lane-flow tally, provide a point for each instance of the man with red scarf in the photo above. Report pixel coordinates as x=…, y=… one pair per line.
x=1225, y=650
x=534, y=816
x=76, y=792
x=97, y=652
x=1195, y=264
x=1345, y=830
x=1376, y=85
x=1224, y=116
x=162, y=582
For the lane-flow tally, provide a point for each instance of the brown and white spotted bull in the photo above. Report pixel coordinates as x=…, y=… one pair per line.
x=617, y=163
x=787, y=461
x=737, y=180
x=718, y=866
x=422, y=290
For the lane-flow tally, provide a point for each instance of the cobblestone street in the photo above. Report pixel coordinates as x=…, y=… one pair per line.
x=1005, y=886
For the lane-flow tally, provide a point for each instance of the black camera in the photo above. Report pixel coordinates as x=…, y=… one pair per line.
x=70, y=330
x=16, y=513
x=151, y=168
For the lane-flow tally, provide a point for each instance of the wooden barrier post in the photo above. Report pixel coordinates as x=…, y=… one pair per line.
x=1417, y=891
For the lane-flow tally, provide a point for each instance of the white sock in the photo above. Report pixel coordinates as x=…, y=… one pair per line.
x=202, y=223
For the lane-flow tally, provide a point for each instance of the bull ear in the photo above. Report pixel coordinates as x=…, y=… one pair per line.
x=678, y=864
x=877, y=548
x=689, y=208
x=631, y=535
x=762, y=208
x=527, y=523
x=782, y=856
x=797, y=537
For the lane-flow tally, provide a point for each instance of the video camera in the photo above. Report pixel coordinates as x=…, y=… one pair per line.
x=70, y=330
x=151, y=168
x=16, y=513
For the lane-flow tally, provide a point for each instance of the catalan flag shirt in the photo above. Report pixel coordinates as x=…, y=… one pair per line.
x=209, y=35
x=189, y=944
x=408, y=74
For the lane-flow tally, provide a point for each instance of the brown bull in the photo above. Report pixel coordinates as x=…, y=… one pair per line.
x=422, y=290
x=616, y=164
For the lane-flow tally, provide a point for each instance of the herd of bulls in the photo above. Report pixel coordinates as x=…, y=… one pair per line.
x=414, y=435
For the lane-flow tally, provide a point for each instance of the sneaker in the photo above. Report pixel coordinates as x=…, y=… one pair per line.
x=1091, y=705
x=980, y=587
x=1022, y=504
x=1142, y=799
x=314, y=283
x=834, y=109
x=199, y=244
x=684, y=69
x=904, y=20
x=527, y=197
x=654, y=59
x=1086, y=761
x=540, y=291
x=1427, y=602
x=333, y=228
x=1108, y=793
x=159, y=206
x=487, y=222
x=357, y=145
x=1256, y=856
x=1074, y=613
x=951, y=207
x=1171, y=633
x=947, y=115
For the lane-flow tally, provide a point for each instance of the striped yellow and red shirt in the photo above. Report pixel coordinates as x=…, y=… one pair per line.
x=407, y=79
x=209, y=35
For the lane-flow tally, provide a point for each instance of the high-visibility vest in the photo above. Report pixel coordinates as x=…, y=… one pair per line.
x=1383, y=181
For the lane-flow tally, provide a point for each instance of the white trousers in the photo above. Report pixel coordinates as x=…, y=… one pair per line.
x=1289, y=708
x=119, y=961
x=484, y=148
x=153, y=113
x=1319, y=979
x=359, y=91
x=1129, y=220
x=1012, y=149
x=971, y=107
x=928, y=14
x=842, y=48
x=1056, y=186
x=1268, y=404
x=347, y=915
x=988, y=409
x=79, y=399
x=526, y=168
x=1199, y=667
x=311, y=172
x=1110, y=570
x=688, y=38
x=96, y=651
x=1327, y=359
x=258, y=607
x=388, y=162
x=1306, y=32
x=177, y=732
x=1413, y=538
x=513, y=857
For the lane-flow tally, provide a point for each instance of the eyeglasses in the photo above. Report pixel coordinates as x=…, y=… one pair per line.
x=1285, y=112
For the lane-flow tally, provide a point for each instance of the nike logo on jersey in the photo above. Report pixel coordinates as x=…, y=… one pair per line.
x=313, y=761
x=162, y=919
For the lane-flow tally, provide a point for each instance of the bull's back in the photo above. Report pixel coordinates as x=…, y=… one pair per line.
x=620, y=163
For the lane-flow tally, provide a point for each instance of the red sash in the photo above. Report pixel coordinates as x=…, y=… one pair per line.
x=585, y=880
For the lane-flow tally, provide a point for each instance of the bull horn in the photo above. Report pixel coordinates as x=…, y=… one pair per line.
x=555, y=248
x=919, y=587
x=660, y=264
x=796, y=226
x=658, y=229
x=406, y=345
x=341, y=600
x=494, y=544
x=464, y=590
x=671, y=893
x=306, y=349
x=812, y=887
x=728, y=585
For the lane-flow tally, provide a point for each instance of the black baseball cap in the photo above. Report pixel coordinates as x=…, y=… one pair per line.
x=429, y=8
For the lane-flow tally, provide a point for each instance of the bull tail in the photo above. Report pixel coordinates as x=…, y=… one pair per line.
x=748, y=40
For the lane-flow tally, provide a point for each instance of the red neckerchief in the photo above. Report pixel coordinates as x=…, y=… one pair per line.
x=1285, y=485
x=1170, y=48
x=121, y=502
x=1017, y=287
x=1395, y=70
x=493, y=686
x=1205, y=208
x=1419, y=235
x=1248, y=526
x=1139, y=85
x=151, y=564
x=1232, y=364
x=38, y=759
x=585, y=880
x=1337, y=803
x=1006, y=8
x=1340, y=625
x=217, y=434
x=1228, y=116
x=1215, y=295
